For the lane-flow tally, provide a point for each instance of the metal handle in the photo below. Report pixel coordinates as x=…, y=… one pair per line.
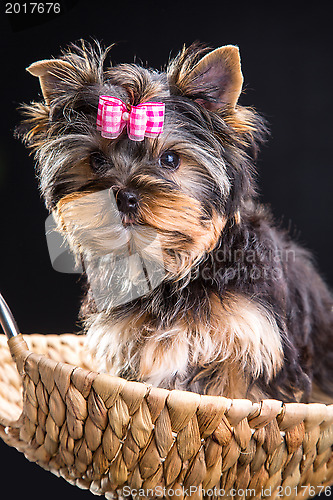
x=7, y=320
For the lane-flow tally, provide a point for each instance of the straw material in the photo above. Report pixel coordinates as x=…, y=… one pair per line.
x=114, y=437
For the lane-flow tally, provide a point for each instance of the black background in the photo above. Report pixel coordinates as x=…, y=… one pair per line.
x=287, y=64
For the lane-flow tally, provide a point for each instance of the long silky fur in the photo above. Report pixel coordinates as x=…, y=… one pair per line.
x=241, y=309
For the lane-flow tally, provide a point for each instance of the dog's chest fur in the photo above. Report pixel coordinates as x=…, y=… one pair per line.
x=219, y=352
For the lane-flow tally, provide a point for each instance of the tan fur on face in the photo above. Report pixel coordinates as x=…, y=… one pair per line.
x=169, y=222
x=184, y=236
x=237, y=342
x=92, y=222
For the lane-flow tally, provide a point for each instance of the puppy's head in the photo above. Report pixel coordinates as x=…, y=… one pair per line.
x=168, y=197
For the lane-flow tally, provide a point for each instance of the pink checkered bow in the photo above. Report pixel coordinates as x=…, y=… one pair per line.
x=144, y=120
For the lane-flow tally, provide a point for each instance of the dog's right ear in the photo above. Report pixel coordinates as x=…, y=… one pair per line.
x=54, y=76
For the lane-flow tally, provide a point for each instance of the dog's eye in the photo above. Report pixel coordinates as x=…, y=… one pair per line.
x=98, y=162
x=169, y=159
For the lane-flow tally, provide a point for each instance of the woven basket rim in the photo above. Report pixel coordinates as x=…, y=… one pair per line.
x=94, y=408
x=241, y=408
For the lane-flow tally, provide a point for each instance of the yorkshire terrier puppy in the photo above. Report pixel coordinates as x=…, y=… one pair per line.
x=150, y=175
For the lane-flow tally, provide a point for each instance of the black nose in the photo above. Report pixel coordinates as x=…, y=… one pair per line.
x=127, y=201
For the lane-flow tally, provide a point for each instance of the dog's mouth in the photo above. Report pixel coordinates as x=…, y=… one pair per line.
x=128, y=220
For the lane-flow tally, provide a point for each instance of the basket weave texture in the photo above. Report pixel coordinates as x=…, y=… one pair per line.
x=104, y=433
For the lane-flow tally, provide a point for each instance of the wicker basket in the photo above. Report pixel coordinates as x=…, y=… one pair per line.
x=113, y=436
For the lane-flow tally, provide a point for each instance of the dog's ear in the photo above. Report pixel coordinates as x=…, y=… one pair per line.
x=214, y=81
x=53, y=76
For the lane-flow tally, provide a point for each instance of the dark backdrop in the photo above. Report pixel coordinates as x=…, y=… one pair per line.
x=286, y=57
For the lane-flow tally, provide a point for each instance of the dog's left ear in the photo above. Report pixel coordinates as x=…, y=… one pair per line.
x=215, y=81
x=53, y=76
